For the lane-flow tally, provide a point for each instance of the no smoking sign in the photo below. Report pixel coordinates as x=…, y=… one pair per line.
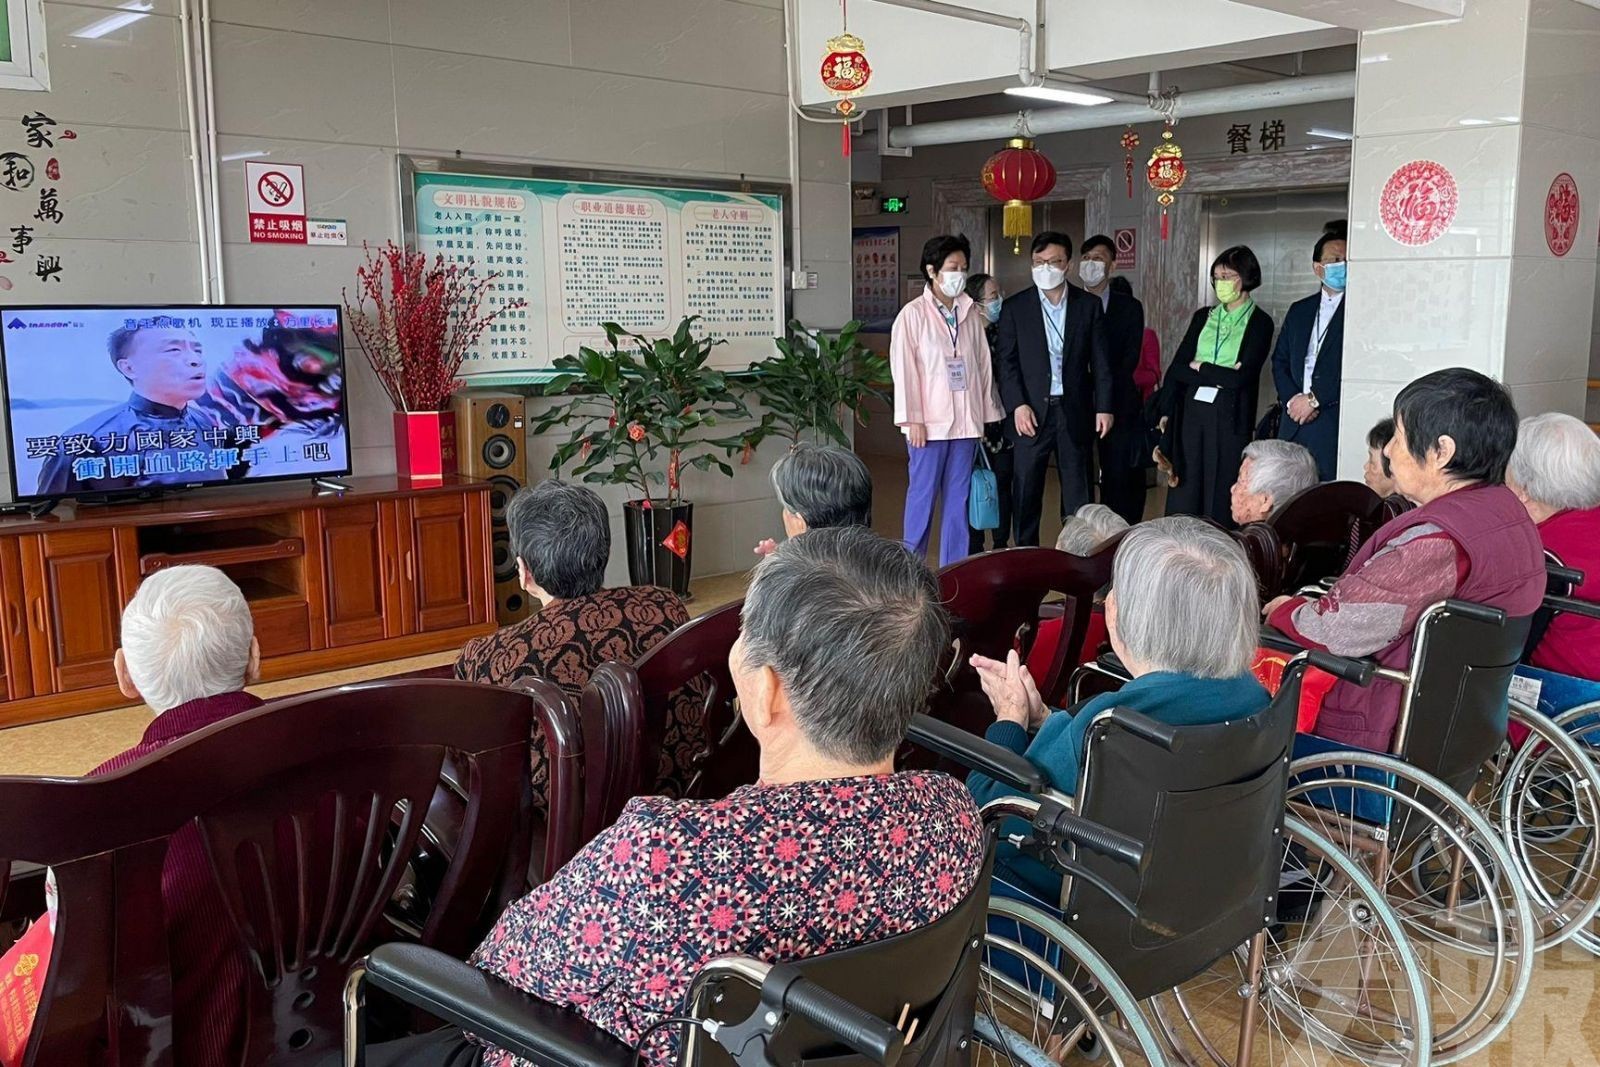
x=277, y=194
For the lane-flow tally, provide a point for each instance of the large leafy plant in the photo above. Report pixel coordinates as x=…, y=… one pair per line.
x=641, y=412
x=815, y=384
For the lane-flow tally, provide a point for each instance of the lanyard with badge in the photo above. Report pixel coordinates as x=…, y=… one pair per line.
x=1207, y=394
x=955, y=367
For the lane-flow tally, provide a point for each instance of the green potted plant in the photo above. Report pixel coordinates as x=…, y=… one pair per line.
x=641, y=414
x=814, y=385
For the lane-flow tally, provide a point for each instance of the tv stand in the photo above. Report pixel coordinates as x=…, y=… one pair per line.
x=381, y=571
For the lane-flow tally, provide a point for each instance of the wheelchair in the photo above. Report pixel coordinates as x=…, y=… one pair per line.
x=1194, y=960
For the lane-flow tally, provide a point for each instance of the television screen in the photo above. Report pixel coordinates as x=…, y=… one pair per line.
x=118, y=399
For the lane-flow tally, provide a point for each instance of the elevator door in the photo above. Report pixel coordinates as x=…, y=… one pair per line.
x=1281, y=228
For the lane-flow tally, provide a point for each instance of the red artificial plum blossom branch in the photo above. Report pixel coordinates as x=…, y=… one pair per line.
x=424, y=319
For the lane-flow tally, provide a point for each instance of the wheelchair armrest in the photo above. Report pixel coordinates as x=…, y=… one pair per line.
x=481, y=1004
x=1573, y=606
x=1570, y=575
x=970, y=750
x=1477, y=612
x=1277, y=641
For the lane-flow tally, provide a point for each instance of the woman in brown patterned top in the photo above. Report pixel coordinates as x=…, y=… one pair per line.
x=561, y=537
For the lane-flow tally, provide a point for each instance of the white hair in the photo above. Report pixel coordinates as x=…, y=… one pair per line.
x=1102, y=520
x=1186, y=598
x=1557, y=462
x=1077, y=537
x=1280, y=469
x=186, y=635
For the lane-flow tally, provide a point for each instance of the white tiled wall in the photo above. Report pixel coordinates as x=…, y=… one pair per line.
x=343, y=87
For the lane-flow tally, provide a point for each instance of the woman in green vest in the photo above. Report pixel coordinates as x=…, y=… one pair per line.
x=1207, y=402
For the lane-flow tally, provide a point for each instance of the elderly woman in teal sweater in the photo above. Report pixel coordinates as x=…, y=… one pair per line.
x=1183, y=619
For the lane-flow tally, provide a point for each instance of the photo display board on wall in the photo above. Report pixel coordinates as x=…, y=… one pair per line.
x=581, y=253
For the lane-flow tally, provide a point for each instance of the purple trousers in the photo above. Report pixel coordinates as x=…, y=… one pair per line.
x=941, y=473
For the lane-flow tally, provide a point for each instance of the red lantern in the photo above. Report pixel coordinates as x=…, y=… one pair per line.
x=845, y=73
x=1015, y=175
x=1166, y=173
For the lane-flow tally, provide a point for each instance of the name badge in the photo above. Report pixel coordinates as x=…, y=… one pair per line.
x=1206, y=394
x=957, y=371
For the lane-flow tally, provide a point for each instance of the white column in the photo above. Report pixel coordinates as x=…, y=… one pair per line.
x=1463, y=131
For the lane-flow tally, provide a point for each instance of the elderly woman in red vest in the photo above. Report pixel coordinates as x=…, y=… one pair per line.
x=1469, y=537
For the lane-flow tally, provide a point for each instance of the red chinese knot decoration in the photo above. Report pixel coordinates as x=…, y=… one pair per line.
x=845, y=73
x=1418, y=203
x=1561, y=214
x=1130, y=141
x=1166, y=173
x=1016, y=175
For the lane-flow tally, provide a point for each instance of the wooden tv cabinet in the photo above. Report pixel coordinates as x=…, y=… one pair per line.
x=383, y=571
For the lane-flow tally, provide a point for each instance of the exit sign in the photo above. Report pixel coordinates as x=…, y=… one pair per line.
x=893, y=205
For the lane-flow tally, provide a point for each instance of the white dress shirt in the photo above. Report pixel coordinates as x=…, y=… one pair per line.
x=1055, y=335
x=1325, y=313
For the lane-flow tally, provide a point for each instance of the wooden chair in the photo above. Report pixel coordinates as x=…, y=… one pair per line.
x=293, y=804
x=695, y=658
x=994, y=600
x=1262, y=548
x=1321, y=529
x=614, y=743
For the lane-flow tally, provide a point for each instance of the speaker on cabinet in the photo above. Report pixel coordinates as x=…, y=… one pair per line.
x=491, y=435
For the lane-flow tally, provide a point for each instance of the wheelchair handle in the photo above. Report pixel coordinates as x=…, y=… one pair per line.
x=1355, y=671
x=1571, y=575
x=1476, y=612
x=1102, y=839
x=1573, y=606
x=833, y=1015
x=976, y=753
x=1142, y=726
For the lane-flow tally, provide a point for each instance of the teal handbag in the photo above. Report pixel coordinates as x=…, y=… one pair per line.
x=983, y=495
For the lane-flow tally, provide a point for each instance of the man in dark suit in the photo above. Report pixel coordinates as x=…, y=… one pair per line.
x=1055, y=382
x=1308, y=362
x=1124, y=454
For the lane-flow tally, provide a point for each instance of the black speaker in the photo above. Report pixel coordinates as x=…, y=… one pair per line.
x=491, y=431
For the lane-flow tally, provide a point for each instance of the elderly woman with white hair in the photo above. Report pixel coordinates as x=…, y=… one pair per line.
x=818, y=487
x=1182, y=618
x=188, y=649
x=1555, y=472
x=1272, y=474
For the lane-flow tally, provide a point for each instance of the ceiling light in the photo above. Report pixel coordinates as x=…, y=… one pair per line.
x=254, y=154
x=1472, y=122
x=1059, y=96
x=1331, y=135
x=115, y=22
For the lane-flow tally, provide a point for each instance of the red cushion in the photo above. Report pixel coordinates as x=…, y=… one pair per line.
x=1314, y=685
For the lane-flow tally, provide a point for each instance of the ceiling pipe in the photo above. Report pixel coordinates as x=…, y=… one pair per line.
x=1313, y=89
x=1031, y=72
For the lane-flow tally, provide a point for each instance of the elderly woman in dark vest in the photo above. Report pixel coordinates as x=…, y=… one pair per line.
x=1469, y=538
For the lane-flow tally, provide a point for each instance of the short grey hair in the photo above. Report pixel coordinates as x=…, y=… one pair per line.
x=825, y=485
x=186, y=635
x=1280, y=469
x=1077, y=537
x=1102, y=520
x=1557, y=462
x=1186, y=598
x=561, y=533
x=852, y=625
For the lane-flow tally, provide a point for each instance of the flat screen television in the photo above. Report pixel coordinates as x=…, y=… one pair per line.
x=128, y=399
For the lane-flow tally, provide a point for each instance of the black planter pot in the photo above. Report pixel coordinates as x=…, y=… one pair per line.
x=649, y=530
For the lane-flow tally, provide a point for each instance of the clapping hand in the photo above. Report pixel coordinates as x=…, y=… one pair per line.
x=766, y=547
x=1010, y=688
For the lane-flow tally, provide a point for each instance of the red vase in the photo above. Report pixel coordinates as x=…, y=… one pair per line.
x=424, y=445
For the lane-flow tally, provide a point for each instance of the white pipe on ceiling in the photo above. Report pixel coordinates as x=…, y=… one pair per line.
x=1313, y=89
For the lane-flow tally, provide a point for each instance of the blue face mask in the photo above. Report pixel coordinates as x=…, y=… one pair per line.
x=1333, y=276
x=991, y=309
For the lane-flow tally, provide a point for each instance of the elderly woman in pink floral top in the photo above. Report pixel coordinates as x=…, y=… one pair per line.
x=842, y=632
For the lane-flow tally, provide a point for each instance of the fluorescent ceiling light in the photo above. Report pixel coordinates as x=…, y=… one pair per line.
x=254, y=154
x=112, y=23
x=1472, y=122
x=1059, y=96
x=1331, y=135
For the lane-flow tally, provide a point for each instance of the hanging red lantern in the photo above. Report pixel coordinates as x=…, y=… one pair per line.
x=1130, y=141
x=845, y=73
x=1166, y=173
x=1016, y=175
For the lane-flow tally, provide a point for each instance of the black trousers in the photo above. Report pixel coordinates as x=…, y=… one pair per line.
x=1122, y=488
x=1003, y=463
x=1057, y=435
x=1210, y=443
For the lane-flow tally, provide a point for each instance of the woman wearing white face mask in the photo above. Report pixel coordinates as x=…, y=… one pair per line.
x=985, y=289
x=1207, y=402
x=943, y=395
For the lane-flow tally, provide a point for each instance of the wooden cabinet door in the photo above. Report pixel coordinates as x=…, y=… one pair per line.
x=18, y=680
x=442, y=564
x=75, y=583
x=357, y=572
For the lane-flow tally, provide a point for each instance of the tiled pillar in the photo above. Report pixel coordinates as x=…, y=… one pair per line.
x=1502, y=103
